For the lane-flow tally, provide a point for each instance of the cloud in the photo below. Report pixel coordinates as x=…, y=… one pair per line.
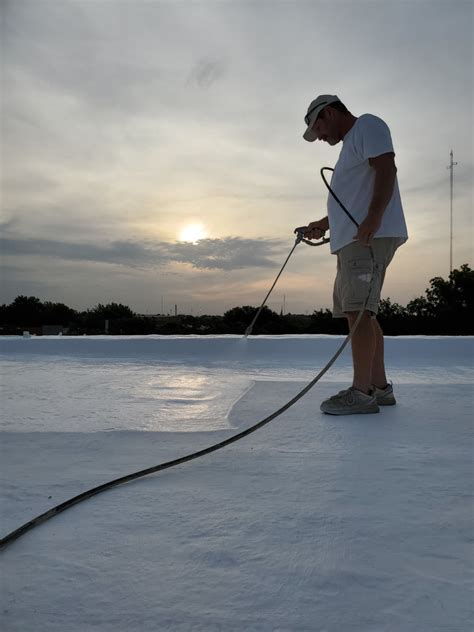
x=120, y=125
x=206, y=72
x=229, y=253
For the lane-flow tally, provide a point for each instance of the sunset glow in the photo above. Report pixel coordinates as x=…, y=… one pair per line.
x=193, y=233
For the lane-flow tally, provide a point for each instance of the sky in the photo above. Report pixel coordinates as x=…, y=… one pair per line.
x=126, y=123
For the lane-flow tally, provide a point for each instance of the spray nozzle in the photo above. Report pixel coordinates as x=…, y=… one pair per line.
x=300, y=232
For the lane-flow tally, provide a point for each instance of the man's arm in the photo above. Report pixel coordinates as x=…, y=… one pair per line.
x=385, y=174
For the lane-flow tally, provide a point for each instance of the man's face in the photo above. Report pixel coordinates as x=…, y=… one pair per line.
x=326, y=127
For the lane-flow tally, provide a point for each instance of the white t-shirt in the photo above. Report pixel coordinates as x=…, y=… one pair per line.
x=353, y=183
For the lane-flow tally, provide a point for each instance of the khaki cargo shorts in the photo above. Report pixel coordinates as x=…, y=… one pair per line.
x=354, y=270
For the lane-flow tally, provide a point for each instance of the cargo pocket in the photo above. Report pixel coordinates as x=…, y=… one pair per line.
x=360, y=274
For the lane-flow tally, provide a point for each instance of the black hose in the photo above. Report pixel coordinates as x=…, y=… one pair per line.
x=14, y=535
x=335, y=196
x=163, y=466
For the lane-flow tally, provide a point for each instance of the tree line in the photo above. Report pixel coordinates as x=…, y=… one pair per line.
x=445, y=309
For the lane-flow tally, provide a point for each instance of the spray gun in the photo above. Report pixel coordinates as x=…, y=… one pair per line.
x=300, y=236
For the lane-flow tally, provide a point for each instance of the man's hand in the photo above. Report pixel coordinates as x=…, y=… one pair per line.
x=367, y=230
x=316, y=230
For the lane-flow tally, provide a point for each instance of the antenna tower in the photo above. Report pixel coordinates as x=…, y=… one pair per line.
x=452, y=164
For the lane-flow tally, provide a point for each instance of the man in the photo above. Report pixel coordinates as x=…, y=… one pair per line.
x=365, y=181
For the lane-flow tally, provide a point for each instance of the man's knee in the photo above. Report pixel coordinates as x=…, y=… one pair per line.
x=352, y=316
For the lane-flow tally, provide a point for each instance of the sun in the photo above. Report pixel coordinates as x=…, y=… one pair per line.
x=193, y=233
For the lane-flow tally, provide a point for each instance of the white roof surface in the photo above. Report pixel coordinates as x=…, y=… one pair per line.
x=318, y=523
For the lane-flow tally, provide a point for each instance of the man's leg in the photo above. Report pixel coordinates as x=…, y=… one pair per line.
x=379, y=377
x=364, y=346
x=367, y=352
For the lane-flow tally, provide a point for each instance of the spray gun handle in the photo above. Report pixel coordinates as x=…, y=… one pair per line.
x=300, y=233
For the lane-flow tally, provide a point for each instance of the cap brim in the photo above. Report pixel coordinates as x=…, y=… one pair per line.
x=310, y=135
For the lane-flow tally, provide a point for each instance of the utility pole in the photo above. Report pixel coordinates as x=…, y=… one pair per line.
x=452, y=164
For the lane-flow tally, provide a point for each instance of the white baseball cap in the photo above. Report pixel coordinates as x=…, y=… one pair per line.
x=314, y=109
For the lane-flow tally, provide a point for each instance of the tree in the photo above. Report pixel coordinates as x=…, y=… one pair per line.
x=112, y=310
x=388, y=309
x=238, y=319
x=447, y=307
x=25, y=310
x=455, y=294
x=57, y=314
